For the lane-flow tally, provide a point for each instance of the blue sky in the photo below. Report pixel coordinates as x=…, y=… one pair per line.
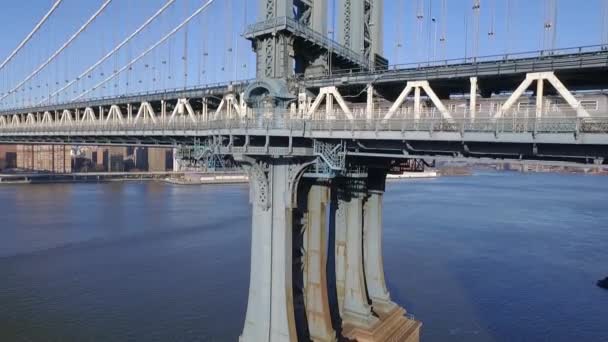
x=229, y=57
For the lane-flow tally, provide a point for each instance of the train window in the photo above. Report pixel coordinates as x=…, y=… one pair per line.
x=526, y=105
x=589, y=104
x=494, y=107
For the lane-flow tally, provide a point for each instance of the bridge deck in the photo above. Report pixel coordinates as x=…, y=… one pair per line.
x=552, y=138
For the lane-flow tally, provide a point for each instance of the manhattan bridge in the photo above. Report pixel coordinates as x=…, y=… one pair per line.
x=321, y=122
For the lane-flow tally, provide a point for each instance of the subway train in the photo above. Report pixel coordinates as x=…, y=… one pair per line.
x=594, y=102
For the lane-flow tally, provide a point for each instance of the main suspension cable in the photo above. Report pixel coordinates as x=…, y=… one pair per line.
x=154, y=46
x=31, y=34
x=63, y=47
x=117, y=48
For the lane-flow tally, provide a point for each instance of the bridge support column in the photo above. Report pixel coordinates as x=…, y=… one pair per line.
x=369, y=108
x=372, y=244
x=383, y=320
x=176, y=162
x=473, y=100
x=539, y=98
x=341, y=228
x=270, y=308
x=315, y=265
x=356, y=309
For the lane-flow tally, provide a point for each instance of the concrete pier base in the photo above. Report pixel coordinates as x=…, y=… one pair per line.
x=391, y=326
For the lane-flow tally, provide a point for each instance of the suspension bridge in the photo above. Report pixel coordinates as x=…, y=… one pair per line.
x=307, y=102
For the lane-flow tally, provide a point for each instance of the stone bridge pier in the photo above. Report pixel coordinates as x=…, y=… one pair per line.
x=316, y=257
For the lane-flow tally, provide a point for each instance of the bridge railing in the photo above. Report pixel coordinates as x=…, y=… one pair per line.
x=533, y=58
x=508, y=125
x=303, y=126
x=169, y=93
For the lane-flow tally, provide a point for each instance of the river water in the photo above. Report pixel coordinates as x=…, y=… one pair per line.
x=492, y=257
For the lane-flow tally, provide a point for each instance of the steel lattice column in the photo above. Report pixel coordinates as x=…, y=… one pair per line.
x=361, y=27
x=277, y=57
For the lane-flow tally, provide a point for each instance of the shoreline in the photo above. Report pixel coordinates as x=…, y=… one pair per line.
x=178, y=178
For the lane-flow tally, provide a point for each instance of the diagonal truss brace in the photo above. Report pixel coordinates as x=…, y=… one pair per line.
x=145, y=111
x=115, y=114
x=181, y=108
x=417, y=86
x=329, y=94
x=66, y=116
x=232, y=106
x=47, y=118
x=540, y=78
x=30, y=119
x=88, y=115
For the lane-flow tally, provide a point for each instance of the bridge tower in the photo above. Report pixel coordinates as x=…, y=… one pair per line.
x=279, y=54
x=361, y=29
x=316, y=252
x=290, y=38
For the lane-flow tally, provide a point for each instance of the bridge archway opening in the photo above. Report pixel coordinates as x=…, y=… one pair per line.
x=268, y=92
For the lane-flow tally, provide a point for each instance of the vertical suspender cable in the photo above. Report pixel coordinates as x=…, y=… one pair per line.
x=116, y=24
x=163, y=62
x=228, y=40
x=237, y=51
x=549, y=25
x=476, y=15
x=205, y=52
x=432, y=34
x=429, y=33
x=185, y=55
x=244, y=64
x=554, y=32
x=492, y=31
x=399, y=42
x=333, y=34
x=155, y=64
x=199, y=58
x=235, y=44
x=129, y=47
x=508, y=17
x=604, y=27
x=170, y=58
x=466, y=34
x=419, y=29
x=444, y=28
x=102, y=51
